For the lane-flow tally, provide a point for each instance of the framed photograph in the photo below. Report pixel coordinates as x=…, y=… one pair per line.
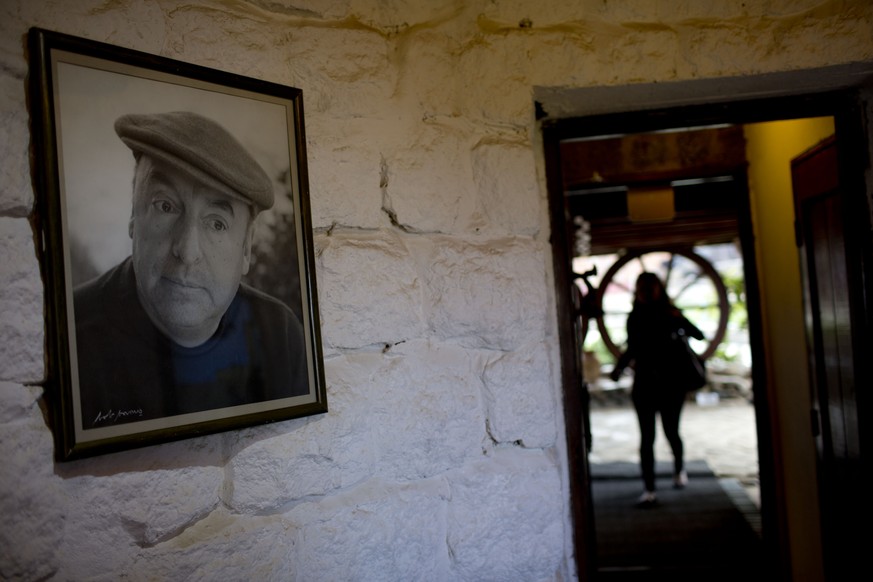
x=176, y=247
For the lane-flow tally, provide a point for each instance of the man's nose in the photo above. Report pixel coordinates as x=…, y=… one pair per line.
x=186, y=240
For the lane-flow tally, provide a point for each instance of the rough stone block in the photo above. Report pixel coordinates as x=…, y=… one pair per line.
x=409, y=414
x=222, y=546
x=557, y=13
x=16, y=401
x=377, y=531
x=110, y=524
x=506, y=518
x=429, y=187
x=344, y=70
x=16, y=194
x=433, y=83
x=519, y=397
x=278, y=465
x=400, y=15
x=484, y=294
x=519, y=58
x=31, y=498
x=345, y=173
x=426, y=410
x=21, y=304
x=509, y=195
x=369, y=290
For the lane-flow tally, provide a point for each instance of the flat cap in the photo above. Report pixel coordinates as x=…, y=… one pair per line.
x=200, y=147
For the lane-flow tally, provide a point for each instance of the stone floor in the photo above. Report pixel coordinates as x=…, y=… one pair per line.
x=721, y=432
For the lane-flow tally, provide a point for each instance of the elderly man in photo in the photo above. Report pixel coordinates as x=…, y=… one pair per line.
x=171, y=329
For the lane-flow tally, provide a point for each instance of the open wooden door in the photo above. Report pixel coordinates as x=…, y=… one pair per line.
x=831, y=312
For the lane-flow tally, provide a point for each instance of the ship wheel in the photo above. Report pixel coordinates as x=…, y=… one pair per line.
x=691, y=281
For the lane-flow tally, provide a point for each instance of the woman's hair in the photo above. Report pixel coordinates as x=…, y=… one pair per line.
x=650, y=290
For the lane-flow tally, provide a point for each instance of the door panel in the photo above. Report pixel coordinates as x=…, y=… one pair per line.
x=820, y=215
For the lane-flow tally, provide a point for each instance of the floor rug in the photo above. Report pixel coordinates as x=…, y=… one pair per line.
x=698, y=532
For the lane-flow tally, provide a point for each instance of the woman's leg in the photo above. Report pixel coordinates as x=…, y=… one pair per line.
x=671, y=410
x=646, y=417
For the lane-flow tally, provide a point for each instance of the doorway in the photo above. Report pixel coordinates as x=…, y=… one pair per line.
x=668, y=203
x=775, y=512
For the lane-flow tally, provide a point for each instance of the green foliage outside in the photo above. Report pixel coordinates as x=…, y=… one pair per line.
x=738, y=318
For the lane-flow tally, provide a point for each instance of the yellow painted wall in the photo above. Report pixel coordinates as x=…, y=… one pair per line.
x=770, y=148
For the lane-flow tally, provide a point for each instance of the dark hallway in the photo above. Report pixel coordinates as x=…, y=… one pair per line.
x=709, y=530
x=628, y=184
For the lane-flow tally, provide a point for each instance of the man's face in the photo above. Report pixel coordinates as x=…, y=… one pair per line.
x=191, y=246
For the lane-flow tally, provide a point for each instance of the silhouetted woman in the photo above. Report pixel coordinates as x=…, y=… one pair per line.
x=651, y=326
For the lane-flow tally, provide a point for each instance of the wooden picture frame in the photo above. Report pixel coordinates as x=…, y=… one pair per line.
x=133, y=261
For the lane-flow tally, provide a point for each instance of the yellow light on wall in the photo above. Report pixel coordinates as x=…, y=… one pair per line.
x=651, y=204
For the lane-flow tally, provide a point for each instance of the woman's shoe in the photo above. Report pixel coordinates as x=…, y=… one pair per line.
x=647, y=499
x=680, y=480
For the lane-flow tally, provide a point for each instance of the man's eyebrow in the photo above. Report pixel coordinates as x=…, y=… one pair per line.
x=222, y=204
x=157, y=175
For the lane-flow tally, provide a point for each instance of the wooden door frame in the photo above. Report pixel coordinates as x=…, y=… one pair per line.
x=846, y=108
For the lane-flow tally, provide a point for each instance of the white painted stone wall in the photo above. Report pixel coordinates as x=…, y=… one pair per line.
x=442, y=456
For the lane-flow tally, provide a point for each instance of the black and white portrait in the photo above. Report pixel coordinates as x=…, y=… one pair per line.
x=187, y=296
